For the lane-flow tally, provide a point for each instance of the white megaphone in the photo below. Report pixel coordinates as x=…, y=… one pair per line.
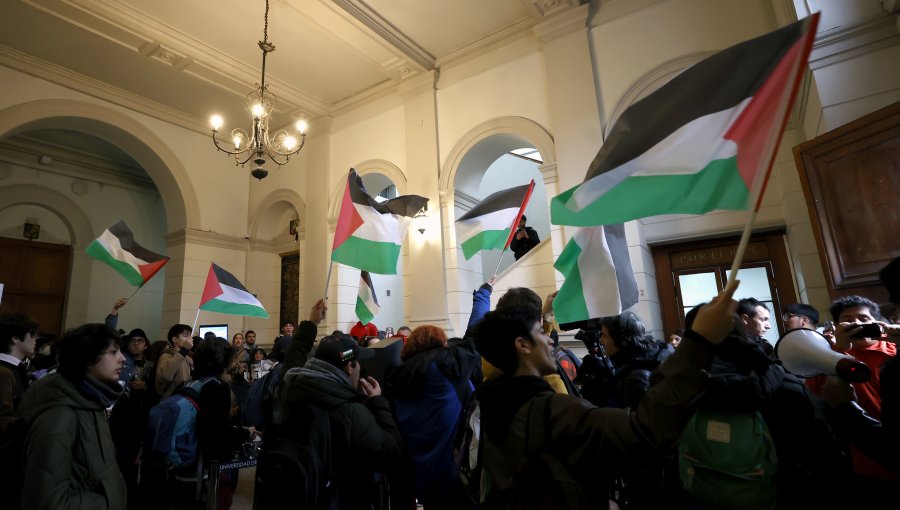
x=806, y=353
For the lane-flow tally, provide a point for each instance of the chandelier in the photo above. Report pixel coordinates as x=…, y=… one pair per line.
x=257, y=144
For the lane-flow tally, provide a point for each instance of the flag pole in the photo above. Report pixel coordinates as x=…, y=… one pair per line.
x=196, y=317
x=742, y=247
x=498, y=261
x=134, y=291
x=327, y=279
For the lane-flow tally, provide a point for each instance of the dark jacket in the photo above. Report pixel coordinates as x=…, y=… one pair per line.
x=364, y=438
x=589, y=440
x=522, y=246
x=71, y=461
x=430, y=392
x=810, y=463
x=620, y=380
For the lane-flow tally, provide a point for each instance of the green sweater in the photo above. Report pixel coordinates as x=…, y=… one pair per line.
x=70, y=457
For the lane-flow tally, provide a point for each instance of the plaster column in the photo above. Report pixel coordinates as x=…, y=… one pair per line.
x=426, y=293
x=317, y=243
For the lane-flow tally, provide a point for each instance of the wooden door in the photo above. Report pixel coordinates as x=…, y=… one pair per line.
x=36, y=279
x=851, y=180
x=688, y=274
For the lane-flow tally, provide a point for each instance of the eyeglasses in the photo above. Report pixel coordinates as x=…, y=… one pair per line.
x=787, y=316
x=137, y=340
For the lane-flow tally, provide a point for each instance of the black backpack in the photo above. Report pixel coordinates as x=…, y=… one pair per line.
x=294, y=468
x=542, y=481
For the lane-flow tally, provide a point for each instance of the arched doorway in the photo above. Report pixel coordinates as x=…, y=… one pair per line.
x=111, y=167
x=483, y=162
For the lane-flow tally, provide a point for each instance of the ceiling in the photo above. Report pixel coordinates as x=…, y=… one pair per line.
x=192, y=58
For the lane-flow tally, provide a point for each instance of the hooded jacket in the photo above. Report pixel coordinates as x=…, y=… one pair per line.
x=364, y=438
x=71, y=461
x=591, y=441
x=430, y=391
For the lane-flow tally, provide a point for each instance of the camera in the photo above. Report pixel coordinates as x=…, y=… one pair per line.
x=868, y=330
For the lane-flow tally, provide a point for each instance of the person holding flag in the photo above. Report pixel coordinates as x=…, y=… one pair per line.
x=524, y=240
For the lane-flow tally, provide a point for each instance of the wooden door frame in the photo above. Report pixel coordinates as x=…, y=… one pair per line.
x=775, y=250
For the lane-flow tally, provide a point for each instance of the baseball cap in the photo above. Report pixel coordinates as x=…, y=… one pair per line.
x=339, y=349
x=803, y=310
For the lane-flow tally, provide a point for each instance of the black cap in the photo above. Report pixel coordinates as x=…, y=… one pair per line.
x=135, y=333
x=339, y=349
x=803, y=310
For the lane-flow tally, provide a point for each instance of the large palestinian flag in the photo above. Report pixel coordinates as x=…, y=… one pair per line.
x=366, y=301
x=117, y=248
x=369, y=234
x=706, y=140
x=489, y=225
x=599, y=279
x=223, y=293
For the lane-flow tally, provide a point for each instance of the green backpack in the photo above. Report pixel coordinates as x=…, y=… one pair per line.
x=728, y=460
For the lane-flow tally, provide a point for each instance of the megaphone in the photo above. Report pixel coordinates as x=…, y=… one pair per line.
x=806, y=353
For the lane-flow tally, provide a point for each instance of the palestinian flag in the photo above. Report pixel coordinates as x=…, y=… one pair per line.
x=489, y=225
x=117, y=248
x=706, y=140
x=366, y=301
x=368, y=233
x=223, y=293
x=599, y=279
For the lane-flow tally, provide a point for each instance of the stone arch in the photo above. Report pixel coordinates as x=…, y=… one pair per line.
x=519, y=127
x=652, y=80
x=155, y=157
x=73, y=217
x=371, y=166
x=288, y=196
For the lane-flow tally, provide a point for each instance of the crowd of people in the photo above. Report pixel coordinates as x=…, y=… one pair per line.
x=503, y=417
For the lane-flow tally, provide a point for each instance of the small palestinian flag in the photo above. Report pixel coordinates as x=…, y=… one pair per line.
x=223, y=293
x=117, y=248
x=369, y=234
x=489, y=225
x=366, y=301
x=599, y=279
x=706, y=140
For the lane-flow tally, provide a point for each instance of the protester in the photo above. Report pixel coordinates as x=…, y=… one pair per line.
x=69, y=454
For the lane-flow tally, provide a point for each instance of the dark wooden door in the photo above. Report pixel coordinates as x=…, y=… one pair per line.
x=851, y=180
x=36, y=279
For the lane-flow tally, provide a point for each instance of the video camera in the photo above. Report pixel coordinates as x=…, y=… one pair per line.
x=589, y=334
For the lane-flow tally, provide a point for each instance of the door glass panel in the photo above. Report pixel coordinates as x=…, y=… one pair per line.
x=754, y=283
x=697, y=288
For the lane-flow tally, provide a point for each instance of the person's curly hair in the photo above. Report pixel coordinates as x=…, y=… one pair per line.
x=423, y=338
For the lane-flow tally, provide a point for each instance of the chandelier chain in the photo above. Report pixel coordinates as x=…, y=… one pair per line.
x=266, y=24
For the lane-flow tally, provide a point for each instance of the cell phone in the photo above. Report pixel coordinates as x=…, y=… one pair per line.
x=868, y=330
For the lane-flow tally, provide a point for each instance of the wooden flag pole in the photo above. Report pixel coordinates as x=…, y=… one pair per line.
x=742, y=247
x=327, y=280
x=134, y=292
x=498, y=261
x=196, y=317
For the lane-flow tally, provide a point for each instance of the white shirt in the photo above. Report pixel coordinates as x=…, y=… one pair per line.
x=12, y=360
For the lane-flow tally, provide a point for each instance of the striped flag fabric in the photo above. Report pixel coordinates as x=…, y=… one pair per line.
x=599, y=280
x=369, y=234
x=489, y=225
x=223, y=293
x=366, y=301
x=117, y=248
x=705, y=140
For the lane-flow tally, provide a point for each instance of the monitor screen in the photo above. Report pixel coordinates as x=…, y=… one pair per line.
x=220, y=330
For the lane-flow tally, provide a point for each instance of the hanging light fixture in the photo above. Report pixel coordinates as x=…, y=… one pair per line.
x=257, y=144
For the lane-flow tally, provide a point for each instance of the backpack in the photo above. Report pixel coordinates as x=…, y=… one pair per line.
x=171, y=434
x=728, y=459
x=294, y=468
x=467, y=454
x=262, y=407
x=542, y=480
